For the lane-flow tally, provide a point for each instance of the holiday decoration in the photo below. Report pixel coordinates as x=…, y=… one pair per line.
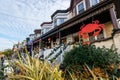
x=94, y=28
x=57, y=35
x=49, y=39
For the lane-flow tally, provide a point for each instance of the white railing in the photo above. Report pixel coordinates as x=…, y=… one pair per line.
x=55, y=56
x=58, y=56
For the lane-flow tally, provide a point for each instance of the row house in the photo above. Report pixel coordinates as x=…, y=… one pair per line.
x=45, y=27
x=19, y=48
x=32, y=43
x=59, y=17
x=83, y=12
x=67, y=23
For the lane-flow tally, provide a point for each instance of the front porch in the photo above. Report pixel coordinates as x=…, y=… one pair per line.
x=68, y=31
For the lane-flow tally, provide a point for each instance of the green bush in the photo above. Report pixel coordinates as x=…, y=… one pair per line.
x=94, y=57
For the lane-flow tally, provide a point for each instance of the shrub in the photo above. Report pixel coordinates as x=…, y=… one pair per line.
x=94, y=57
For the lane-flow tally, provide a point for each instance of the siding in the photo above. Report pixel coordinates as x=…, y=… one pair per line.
x=108, y=29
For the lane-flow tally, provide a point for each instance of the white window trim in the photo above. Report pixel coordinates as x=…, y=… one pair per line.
x=83, y=1
x=104, y=32
x=118, y=21
x=91, y=3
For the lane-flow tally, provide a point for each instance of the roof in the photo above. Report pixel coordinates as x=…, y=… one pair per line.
x=63, y=11
x=37, y=31
x=46, y=23
x=59, y=11
x=31, y=34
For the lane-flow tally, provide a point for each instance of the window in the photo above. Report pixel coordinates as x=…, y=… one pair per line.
x=93, y=2
x=42, y=31
x=91, y=38
x=81, y=7
x=47, y=29
x=62, y=20
x=55, y=22
x=101, y=36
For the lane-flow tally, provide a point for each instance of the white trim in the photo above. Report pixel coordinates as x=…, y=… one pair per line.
x=95, y=37
x=61, y=15
x=104, y=33
x=91, y=3
x=118, y=21
x=83, y=1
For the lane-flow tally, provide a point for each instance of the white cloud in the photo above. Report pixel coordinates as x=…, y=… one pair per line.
x=19, y=18
x=6, y=43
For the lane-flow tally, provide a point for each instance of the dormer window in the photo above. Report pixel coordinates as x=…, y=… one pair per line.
x=93, y=2
x=81, y=7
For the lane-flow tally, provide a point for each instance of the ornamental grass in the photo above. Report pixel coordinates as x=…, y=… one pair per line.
x=30, y=68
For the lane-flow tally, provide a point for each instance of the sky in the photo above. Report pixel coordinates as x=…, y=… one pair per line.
x=19, y=18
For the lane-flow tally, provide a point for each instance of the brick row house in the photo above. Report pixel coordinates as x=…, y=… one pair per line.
x=66, y=24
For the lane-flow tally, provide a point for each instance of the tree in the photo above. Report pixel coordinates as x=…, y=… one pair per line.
x=7, y=52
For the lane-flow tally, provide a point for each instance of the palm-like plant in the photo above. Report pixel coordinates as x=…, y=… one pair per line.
x=34, y=69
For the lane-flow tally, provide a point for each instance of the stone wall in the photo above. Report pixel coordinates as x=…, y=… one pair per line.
x=107, y=43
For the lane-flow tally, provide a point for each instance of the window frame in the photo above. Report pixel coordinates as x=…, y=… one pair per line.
x=55, y=22
x=83, y=1
x=92, y=4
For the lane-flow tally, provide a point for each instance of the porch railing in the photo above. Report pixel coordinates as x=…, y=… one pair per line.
x=59, y=55
x=53, y=52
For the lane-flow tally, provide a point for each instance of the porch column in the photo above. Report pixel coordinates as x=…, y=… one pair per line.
x=117, y=8
x=41, y=49
x=113, y=18
x=59, y=37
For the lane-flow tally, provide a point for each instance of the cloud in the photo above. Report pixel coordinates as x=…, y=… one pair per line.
x=6, y=43
x=19, y=18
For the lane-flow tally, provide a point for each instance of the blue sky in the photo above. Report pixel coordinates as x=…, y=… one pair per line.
x=19, y=18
